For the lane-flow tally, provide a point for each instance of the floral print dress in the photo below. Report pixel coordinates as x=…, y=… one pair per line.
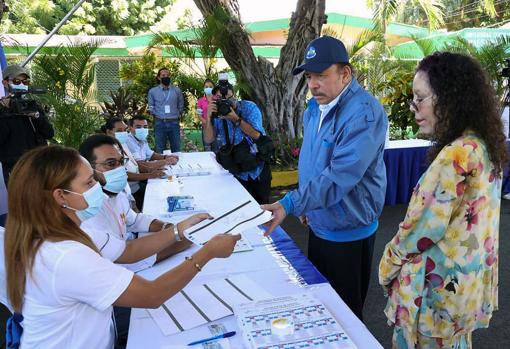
x=441, y=268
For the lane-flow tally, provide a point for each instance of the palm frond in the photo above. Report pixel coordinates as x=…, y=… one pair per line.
x=426, y=46
x=434, y=10
x=489, y=8
x=366, y=38
x=385, y=11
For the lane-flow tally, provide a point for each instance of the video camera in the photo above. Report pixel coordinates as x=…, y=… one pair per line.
x=223, y=104
x=21, y=105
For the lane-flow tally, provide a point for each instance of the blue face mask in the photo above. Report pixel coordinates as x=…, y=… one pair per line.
x=208, y=91
x=122, y=137
x=116, y=179
x=141, y=133
x=94, y=198
x=18, y=88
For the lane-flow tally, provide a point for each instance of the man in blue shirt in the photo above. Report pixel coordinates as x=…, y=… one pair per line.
x=342, y=177
x=166, y=104
x=243, y=122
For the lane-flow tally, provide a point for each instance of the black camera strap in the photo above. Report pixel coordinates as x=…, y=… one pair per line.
x=228, y=143
x=225, y=130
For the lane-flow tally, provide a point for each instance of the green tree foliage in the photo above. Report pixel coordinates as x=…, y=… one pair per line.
x=68, y=73
x=452, y=14
x=100, y=17
x=140, y=76
x=491, y=54
x=198, y=51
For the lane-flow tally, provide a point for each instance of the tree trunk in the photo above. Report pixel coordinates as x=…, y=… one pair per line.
x=279, y=94
x=3, y=9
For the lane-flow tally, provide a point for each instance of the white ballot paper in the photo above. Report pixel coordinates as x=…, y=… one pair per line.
x=242, y=217
x=195, y=164
x=290, y=322
x=199, y=305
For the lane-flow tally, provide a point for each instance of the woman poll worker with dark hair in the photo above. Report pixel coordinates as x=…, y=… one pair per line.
x=441, y=269
x=56, y=277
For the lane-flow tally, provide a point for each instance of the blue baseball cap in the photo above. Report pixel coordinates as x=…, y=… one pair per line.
x=321, y=53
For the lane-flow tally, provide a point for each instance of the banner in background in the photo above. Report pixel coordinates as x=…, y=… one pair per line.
x=3, y=65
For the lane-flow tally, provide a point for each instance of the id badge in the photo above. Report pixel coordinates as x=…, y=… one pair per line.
x=167, y=109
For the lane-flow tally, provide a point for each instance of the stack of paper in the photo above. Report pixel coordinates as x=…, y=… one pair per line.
x=198, y=305
x=308, y=324
x=195, y=164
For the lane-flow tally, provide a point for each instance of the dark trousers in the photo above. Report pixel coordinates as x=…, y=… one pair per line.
x=167, y=131
x=260, y=187
x=347, y=267
x=122, y=319
x=140, y=195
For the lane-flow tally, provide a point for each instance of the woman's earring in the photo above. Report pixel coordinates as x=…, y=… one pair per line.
x=64, y=206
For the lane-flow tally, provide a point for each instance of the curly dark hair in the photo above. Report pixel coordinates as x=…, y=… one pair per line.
x=465, y=99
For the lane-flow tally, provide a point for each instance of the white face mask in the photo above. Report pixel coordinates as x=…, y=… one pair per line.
x=18, y=88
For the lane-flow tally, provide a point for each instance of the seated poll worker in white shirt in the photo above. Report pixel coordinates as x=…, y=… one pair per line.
x=56, y=276
x=111, y=227
x=137, y=173
x=144, y=155
x=139, y=147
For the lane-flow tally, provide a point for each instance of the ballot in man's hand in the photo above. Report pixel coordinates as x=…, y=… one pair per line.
x=279, y=215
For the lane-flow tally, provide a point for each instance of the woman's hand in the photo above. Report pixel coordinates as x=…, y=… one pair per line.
x=221, y=245
x=191, y=221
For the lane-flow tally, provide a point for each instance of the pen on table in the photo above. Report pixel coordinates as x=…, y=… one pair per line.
x=224, y=335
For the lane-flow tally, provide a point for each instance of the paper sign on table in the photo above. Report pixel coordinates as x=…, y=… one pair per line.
x=240, y=218
x=290, y=322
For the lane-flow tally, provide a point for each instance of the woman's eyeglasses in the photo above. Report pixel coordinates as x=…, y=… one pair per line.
x=414, y=104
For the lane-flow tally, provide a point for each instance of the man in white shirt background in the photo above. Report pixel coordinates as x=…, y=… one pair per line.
x=138, y=174
x=143, y=154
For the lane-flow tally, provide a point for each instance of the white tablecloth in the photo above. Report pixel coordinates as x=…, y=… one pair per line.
x=408, y=143
x=217, y=194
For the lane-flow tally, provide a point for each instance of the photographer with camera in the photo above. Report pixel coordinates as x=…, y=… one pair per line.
x=245, y=150
x=23, y=124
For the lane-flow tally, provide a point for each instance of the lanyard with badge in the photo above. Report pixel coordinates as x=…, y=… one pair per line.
x=167, y=106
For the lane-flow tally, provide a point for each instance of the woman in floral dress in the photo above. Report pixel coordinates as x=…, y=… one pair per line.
x=440, y=270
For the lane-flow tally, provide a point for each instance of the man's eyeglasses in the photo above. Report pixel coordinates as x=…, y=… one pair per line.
x=414, y=104
x=19, y=81
x=113, y=163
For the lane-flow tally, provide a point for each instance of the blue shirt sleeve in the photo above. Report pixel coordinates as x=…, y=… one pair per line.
x=148, y=151
x=150, y=101
x=252, y=115
x=351, y=157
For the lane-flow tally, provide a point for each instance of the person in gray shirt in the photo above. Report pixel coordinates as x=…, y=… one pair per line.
x=166, y=104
